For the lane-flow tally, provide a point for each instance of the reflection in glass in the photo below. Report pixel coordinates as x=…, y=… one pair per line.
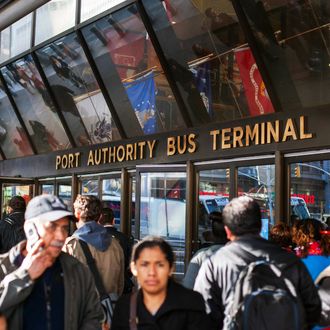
x=91, y=8
x=53, y=18
x=302, y=29
x=132, y=183
x=213, y=196
x=258, y=182
x=163, y=210
x=132, y=73
x=35, y=105
x=16, y=38
x=47, y=189
x=310, y=190
x=209, y=58
x=89, y=187
x=13, y=140
x=111, y=194
x=65, y=193
x=11, y=190
x=77, y=91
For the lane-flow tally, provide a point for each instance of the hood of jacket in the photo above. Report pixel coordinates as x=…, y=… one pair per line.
x=94, y=234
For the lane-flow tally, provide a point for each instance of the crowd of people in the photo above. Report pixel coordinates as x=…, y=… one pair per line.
x=53, y=278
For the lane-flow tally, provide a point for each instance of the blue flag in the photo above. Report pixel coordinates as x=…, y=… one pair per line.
x=203, y=84
x=142, y=95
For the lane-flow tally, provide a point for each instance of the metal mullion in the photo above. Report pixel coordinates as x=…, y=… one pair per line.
x=101, y=84
x=2, y=154
x=78, y=9
x=18, y=115
x=53, y=99
x=33, y=28
x=162, y=59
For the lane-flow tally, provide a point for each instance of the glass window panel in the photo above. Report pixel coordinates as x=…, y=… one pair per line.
x=209, y=58
x=258, y=182
x=89, y=187
x=132, y=73
x=53, y=18
x=310, y=190
x=13, y=140
x=302, y=30
x=35, y=105
x=47, y=189
x=91, y=8
x=77, y=91
x=65, y=193
x=132, y=183
x=11, y=190
x=214, y=188
x=111, y=194
x=163, y=211
x=16, y=38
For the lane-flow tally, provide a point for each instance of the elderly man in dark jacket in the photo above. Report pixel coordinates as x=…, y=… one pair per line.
x=42, y=287
x=217, y=276
x=11, y=226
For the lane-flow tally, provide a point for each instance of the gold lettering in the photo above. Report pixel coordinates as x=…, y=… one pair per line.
x=262, y=137
x=214, y=135
x=151, y=145
x=273, y=133
x=252, y=135
x=105, y=151
x=238, y=135
x=135, y=148
x=70, y=161
x=182, y=148
x=289, y=130
x=225, y=138
x=97, y=156
x=121, y=150
x=64, y=161
x=129, y=152
x=77, y=154
x=192, y=144
x=90, y=158
x=58, y=162
x=304, y=135
x=141, y=146
x=112, y=154
x=170, y=146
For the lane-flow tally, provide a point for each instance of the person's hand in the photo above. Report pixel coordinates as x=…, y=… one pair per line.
x=37, y=260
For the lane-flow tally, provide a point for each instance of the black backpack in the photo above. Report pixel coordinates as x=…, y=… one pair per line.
x=263, y=299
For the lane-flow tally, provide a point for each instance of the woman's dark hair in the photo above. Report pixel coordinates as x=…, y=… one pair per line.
x=308, y=231
x=150, y=242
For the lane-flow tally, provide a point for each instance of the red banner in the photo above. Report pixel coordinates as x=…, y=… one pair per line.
x=255, y=89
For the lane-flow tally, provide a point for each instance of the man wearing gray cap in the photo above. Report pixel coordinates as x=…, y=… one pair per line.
x=41, y=287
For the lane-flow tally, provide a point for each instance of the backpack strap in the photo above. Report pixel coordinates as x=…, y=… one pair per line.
x=132, y=311
x=92, y=266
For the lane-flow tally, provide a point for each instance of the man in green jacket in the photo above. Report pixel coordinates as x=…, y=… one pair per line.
x=41, y=287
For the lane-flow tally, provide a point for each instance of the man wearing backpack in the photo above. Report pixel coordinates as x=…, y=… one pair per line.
x=252, y=265
x=11, y=226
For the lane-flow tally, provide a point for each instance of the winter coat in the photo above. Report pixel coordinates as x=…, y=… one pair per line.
x=219, y=273
x=82, y=309
x=106, y=251
x=11, y=231
x=323, y=283
x=183, y=309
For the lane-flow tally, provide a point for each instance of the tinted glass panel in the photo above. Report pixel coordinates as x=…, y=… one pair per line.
x=111, y=193
x=54, y=18
x=214, y=188
x=258, y=182
x=89, y=187
x=91, y=8
x=11, y=190
x=16, y=38
x=163, y=210
x=47, y=189
x=77, y=92
x=132, y=73
x=211, y=63
x=13, y=140
x=35, y=105
x=310, y=190
x=297, y=39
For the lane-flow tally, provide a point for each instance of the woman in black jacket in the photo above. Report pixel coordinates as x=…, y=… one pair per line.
x=161, y=304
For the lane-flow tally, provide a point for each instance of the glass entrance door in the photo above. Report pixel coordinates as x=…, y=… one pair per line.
x=162, y=210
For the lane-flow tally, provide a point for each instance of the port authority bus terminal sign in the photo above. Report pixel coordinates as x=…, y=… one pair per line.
x=278, y=131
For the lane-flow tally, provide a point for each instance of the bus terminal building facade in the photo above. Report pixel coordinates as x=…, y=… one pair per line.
x=168, y=109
